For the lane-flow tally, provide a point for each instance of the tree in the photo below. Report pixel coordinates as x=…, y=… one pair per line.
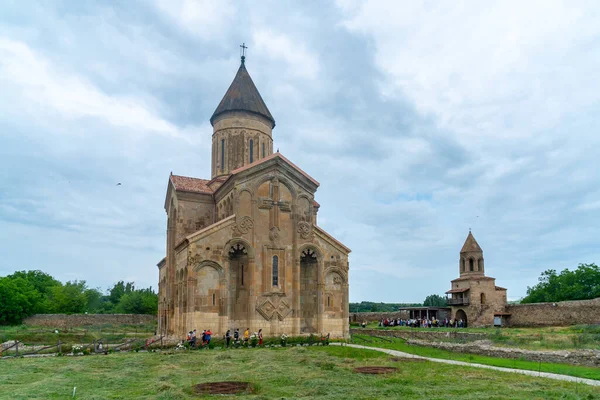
x=69, y=298
x=435, y=300
x=18, y=299
x=141, y=301
x=581, y=284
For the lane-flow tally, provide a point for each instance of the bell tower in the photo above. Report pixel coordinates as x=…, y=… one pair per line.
x=242, y=126
x=471, y=258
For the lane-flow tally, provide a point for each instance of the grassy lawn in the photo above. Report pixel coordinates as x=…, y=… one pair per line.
x=307, y=372
x=400, y=344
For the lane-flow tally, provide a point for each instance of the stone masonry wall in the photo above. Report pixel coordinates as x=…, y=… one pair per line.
x=67, y=321
x=555, y=314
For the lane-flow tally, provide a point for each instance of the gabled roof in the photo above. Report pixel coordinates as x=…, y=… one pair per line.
x=470, y=244
x=189, y=184
x=243, y=95
x=271, y=157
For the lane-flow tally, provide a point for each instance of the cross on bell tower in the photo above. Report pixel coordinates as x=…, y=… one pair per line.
x=243, y=48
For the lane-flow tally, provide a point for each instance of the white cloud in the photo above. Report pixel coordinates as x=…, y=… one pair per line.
x=478, y=65
x=206, y=19
x=277, y=45
x=38, y=82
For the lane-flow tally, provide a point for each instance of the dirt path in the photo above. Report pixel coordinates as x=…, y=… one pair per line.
x=549, y=375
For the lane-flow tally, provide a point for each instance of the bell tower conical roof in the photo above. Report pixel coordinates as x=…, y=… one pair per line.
x=470, y=245
x=243, y=95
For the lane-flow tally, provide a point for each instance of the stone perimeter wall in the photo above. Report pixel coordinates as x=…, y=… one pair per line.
x=555, y=314
x=69, y=320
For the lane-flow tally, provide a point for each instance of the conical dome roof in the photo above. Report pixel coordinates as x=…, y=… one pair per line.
x=242, y=95
x=470, y=244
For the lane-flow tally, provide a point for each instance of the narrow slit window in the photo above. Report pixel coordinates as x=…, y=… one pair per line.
x=471, y=265
x=214, y=299
x=222, y=155
x=263, y=150
x=275, y=271
x=242, y=270
x=328, y=301
x=251, y=150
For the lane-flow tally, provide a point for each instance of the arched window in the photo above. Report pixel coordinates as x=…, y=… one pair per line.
x=471, y=264
x=482, y=298
x=222, y=155
x=275, y=271
x=480, y=264
x=462, y=265
x=251, y=150
x=263, y=150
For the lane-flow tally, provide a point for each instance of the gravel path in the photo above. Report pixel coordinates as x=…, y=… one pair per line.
x=559, y=377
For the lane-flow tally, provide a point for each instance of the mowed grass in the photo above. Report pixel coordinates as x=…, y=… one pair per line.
x=288, y=373
x=555, y=368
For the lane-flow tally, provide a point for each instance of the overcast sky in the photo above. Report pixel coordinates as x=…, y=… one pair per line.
x=419, y=119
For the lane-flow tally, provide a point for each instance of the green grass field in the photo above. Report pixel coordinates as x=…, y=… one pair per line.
x=555, y=368
x=282, y=373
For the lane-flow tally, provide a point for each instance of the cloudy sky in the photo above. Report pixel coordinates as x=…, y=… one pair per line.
x=419, y=119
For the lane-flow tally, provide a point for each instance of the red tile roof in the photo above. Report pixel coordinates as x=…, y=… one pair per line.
x=458, y=290
x=188, y=184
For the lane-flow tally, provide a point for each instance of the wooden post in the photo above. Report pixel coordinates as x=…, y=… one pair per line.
x=59, y=346
x=17, y=348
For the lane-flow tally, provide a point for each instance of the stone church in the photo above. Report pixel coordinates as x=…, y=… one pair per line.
x=244, y=249
x=475, y=298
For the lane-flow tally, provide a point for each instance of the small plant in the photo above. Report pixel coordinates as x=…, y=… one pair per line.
x=254, y=339
x=76, y=350
x=284, y=338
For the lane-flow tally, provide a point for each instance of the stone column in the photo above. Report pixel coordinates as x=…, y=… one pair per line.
x=346, y=310
x=296, y=273
x=251, y=292
x=223, y=307
x=320, y=293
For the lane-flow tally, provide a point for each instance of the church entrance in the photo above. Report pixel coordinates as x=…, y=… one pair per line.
x=309, y=306
x=460, y=314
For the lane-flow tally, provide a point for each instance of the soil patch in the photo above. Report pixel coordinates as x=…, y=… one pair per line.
x=230, y=387
x=375, y=370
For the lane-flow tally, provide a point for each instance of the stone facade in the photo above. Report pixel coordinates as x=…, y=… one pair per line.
x=244, y=249
x=475, y=298
x=555, y=314
x=70, y=320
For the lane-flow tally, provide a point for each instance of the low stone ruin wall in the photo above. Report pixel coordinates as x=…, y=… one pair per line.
x=410, y=333
x=71, y=320
x=590, y=358
x=555, y=314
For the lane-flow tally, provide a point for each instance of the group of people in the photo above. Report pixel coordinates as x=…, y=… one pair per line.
x=423, y=322
x=192, y=339
x=207, y=334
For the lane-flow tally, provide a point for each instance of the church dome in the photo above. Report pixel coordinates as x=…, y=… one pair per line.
x=243, y=95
